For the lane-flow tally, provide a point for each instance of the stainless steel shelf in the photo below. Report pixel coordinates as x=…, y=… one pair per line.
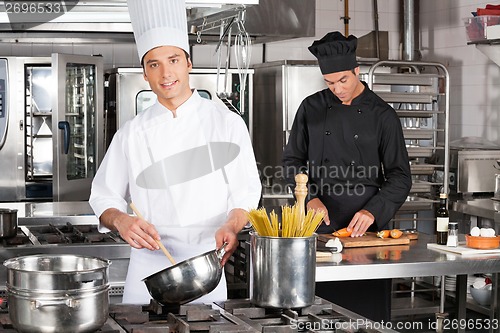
x=424, y=169
x=414, y=152
x=406, y=79
x=413, y=203
x=420, y=133
x=407, y=306
x=405, y=113
x=394, y=97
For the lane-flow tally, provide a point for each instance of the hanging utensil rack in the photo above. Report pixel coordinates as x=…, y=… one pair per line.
x=242, y=53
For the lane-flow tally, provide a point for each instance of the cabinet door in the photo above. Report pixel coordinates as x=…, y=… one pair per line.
x=77, y=124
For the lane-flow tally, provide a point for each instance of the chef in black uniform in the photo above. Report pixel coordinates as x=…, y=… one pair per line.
x=351, y=144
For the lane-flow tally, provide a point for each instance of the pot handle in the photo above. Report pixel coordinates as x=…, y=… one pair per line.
x=98, y=277
x=221, y=252
x=69, y=302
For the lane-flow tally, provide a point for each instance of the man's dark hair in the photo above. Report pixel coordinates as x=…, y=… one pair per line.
x=142, y=60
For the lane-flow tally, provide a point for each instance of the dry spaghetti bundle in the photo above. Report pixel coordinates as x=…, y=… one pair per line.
x=293, y=222
x=262, y=224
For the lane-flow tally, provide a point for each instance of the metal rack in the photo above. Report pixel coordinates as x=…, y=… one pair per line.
x=38, y=125
x=79, y=112
x=419, y=92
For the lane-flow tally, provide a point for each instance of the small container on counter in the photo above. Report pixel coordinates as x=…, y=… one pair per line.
x=452, y=234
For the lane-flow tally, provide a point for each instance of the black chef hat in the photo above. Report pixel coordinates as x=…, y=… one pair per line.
x=335, y=53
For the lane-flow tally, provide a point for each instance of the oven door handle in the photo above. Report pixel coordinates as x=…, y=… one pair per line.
x=64, y=125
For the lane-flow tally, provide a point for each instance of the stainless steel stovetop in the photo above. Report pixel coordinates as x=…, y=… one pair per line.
x=81, y=239
x=65, y=234
x=231, y=316
x=85, y=239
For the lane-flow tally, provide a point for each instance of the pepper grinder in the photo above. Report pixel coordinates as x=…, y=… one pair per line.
x=301, y=193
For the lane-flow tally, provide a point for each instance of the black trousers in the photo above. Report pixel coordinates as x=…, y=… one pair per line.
x=368, y=298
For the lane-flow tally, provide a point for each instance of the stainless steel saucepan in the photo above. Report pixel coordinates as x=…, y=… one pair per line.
x=187, y=280
x=8, y=222
x=57, y=293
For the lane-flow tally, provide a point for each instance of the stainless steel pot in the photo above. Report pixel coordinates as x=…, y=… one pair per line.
x=8, y=222
x=57, y=293
x=187, y=280
x=283, y=271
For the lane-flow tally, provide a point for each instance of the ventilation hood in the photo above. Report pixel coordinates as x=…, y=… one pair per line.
x=95, y=21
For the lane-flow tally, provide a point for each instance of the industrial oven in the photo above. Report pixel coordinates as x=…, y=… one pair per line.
x=51, y=119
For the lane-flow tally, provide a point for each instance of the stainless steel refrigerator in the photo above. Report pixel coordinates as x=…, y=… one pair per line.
x=51, y=126
x=279, y=88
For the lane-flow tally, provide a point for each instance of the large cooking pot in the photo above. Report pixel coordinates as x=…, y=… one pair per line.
x=57, y=293
x=187, y=280
x=283, y=271
x=8, y=222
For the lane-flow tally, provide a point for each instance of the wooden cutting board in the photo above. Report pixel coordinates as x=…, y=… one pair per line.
x=369, y=239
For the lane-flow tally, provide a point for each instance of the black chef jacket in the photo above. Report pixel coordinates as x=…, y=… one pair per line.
x=355, y=156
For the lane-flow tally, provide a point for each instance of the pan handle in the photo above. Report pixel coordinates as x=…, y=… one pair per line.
x=221, y=251
x=69, y=302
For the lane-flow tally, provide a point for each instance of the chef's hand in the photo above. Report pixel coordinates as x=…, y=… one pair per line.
x=228, y=233
x=134, y=230
x=317, y=205
x=360, y=222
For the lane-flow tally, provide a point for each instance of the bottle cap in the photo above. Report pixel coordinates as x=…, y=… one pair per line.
x=453, y=225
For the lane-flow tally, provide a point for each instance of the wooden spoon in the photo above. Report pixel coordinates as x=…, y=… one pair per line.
x=162, y=247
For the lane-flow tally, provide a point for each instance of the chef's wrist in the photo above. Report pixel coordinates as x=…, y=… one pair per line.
x=236, y=220
x=110, y=218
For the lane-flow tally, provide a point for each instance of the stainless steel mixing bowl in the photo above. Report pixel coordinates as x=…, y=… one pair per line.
x=187, y=280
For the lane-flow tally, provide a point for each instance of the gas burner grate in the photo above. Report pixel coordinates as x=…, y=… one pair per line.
x=154, y=318
x=72, y=234
x=319, y=317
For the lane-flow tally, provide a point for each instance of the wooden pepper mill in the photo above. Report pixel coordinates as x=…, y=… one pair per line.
x=301, y=193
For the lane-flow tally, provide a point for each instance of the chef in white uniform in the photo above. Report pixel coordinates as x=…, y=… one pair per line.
x=186, y=162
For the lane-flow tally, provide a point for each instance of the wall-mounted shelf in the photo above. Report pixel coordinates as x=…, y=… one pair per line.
x=490, y=48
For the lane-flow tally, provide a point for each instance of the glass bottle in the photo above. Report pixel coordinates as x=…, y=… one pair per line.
x=442, y=220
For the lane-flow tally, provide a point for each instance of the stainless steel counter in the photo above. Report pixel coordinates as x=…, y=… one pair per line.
x=413, y=260
x=32, y=213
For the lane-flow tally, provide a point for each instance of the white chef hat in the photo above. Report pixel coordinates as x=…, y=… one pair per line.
x=157, y=23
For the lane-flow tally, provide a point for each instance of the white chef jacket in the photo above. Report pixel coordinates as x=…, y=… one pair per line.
x=154, y=147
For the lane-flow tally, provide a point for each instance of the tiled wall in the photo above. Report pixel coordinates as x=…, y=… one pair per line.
x=475, y=80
